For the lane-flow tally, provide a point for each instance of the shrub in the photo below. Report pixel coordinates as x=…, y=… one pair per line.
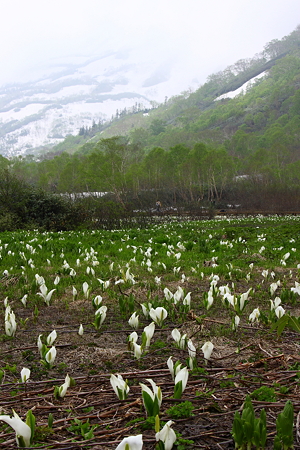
x=23, y=206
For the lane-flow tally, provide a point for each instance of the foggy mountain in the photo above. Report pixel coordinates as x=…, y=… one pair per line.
x=75, y=93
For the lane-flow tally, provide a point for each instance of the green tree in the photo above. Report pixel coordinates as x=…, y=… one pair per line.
x=139, y=136
x=153, y=168
x=71, y=177
x=192, y=173
x=157, y=126
x=116, y=162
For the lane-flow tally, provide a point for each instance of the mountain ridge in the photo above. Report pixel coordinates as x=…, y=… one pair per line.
x=35, y=117
x=92, y=90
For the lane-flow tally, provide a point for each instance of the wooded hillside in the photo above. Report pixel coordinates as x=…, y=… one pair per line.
x=194, y=149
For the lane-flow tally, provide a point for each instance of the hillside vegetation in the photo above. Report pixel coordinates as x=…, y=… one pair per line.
x=196, y=148
x=189, y=118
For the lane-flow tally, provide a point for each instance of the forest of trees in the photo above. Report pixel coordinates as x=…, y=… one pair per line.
x=192, y=150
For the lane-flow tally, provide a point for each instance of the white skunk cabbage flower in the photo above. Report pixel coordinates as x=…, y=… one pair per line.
x=235, y=322
x=133, y=337
x=86, y=290
x=134, y=321
x=104, y=284
x=97, y=301
x=146, y=309
x=274, y=287
x=178, y=295
x=137, y=349
x=265, y=273
x=191, y=349
x=174, y=369
x=74, y=292
x=100, y=316
x=167, y=435
x=180, y=340
x=168, y=294
x=131, y=443
x=284, y=258
x=45, y=294
x=51, y=337
x=158, y=315
x=279, y=311
x=72, y=273
x=154, y=394
x=244, y=298
x=254, y=316
x=276, y=303
x=23, y=431
x=129, y=277
x=24, y=299
x=207, y=349
x=148, y=333
x=210, y=300
x=187, y=300
x=296, y=289
x=51, y=355
x=39, y=280
x=224, y=290
x=62, y=390
x=25, y=374
x=182, y=378
x=157, y=281
x=90, y=270
x=40, y=344
x=120, y=386
x=10, y=323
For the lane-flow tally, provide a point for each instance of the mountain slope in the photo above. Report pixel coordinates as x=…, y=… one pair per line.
x=199, y=146
x=249, y=97
x=74, y=94
x=80, y=97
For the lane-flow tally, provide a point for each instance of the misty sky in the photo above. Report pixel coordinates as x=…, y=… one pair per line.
x=206, y=35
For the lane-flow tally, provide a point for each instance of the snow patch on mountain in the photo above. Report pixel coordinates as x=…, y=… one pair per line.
x=65, y=92
x=242, y=89
x=75, y=92
x=54, y=125
x=20, y=113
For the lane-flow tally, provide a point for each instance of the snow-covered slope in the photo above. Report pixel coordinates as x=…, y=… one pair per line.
x=242, y=89
x=75, y=93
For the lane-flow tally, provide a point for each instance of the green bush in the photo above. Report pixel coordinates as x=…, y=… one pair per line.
x=264, y=394
x=23, y=206
x=181, y=411
x=9, y=221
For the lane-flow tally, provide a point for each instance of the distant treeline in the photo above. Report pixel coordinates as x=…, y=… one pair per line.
x=181, y=177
